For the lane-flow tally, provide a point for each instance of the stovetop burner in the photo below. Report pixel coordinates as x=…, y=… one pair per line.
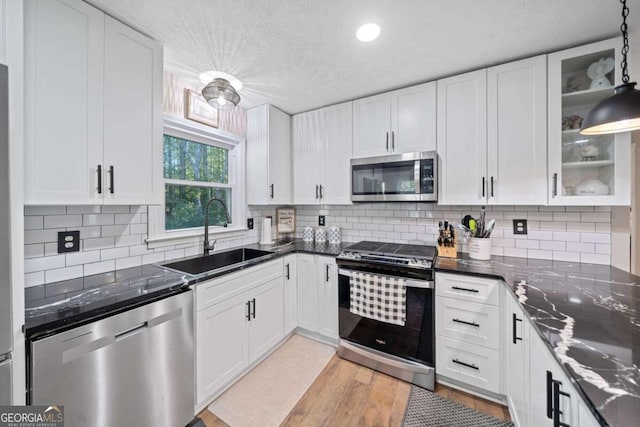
x=415, y=256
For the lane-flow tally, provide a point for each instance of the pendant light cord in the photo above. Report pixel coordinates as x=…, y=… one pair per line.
x=625, y=39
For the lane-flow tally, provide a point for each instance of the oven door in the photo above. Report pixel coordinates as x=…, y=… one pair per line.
x=413, y=341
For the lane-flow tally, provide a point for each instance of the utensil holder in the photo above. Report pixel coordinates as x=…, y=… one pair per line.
x=479, y=249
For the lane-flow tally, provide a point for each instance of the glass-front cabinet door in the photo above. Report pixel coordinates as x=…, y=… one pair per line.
x=585, y=170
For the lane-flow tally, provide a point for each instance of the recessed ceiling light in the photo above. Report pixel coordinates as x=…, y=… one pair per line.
x=368, y=32
x=207, y=77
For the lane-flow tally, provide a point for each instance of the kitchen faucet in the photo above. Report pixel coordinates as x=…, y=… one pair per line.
x=208, y=246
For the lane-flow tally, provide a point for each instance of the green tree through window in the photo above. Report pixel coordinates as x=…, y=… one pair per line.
x=193, y=173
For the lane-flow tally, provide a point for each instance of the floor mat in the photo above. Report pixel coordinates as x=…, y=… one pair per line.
x=266, y=395
x=427, y=409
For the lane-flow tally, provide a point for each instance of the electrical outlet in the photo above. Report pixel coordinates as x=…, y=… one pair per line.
x=321, y=220
x=250, y=223
x=519, y=226
x=68, y=241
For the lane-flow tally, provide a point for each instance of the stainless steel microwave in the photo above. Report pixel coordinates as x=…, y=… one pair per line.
x=395, y=178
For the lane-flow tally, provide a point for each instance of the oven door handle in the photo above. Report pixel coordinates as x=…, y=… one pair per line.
x=412, y=283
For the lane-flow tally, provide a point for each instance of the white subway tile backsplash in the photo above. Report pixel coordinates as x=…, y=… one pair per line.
x=596, y=237
x=99, y=267
x=114, y=230
x=100, y=243
x=566, y=256
x=58, y=221
x=128, y=262
x=83, y=209
x=581, y=247
x=89, y=232
x=602, y=227
x=176, y=253
x=138, y=228
x=566, y=216
x=79, y=258
x=43, y=263
x=603, y=248
x=519, y=253
x=33, y=279
x=581, y=226
x=540, y=235
x=595, y=258
x=45, y=210
x=33, y=251
x=41, y=236
x=128, y=240
x=97, y=219
x=116, y=209
x=128, y=218
x=152, y=258
x=596, y=217
x=539, y=254
x=527, y=244
x=107, y=254
x=566, y=236
x=34, y=222
x=553, y=245
x=66, y=273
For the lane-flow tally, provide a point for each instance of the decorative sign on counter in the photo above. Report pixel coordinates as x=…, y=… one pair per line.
x=286, y=220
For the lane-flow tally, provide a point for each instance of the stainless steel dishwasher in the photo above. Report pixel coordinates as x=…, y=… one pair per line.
x=135, y=368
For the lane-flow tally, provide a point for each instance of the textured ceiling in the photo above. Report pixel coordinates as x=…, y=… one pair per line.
x=303, y=54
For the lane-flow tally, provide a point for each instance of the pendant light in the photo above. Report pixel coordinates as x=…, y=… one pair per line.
x=619, y=112
x=220, y=94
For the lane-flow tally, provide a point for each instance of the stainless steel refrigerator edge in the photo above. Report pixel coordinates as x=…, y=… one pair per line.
x=6, y=329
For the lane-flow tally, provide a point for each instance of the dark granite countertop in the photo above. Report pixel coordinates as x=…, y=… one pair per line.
x=55, y=307
x=589, y=315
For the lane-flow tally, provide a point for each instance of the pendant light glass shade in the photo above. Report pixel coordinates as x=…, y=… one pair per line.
x=619, y=112
x=221, y=95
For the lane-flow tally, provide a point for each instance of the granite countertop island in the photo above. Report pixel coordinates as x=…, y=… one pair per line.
x=589, y=315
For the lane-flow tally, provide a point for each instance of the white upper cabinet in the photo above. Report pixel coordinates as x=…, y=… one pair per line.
x=462, y=139
x=268, y=156
x=517, y=132
x=322, y=146
x=401, y=121
x=585, y=170
x=64, y=66
x=93, y=108
x=132, y=116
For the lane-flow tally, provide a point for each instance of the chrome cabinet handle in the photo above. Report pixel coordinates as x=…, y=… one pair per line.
x=111, y=186
x=99, y=170
x=387, y=141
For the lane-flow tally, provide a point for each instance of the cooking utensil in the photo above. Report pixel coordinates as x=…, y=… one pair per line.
x=473, y=226
x=490, y=225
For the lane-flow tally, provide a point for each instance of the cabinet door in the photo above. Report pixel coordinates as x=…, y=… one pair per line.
x=517, y=132
x=132, y=116
x=541, y=401
x=222, y=345
x=290, y=293
x=336, y=187
x=518, y=362
x=462, y=139
x=327, y=297
x=585, y=170
x=266, y=328
x=257, y=156
x=308, y=152
x=371, y=125
x=413, y=119
x=64, y=47
x=279, y=157
x=307, y=292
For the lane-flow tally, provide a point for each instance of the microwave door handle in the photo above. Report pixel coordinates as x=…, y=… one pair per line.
x=416, y=176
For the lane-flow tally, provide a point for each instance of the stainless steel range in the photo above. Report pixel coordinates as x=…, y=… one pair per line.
x=386, y=314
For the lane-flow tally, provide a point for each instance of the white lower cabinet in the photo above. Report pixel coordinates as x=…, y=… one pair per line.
x=318, y=294
x=237, y=326
x=290, y=293
x=517, y=361
x=468, y=363
x=548, y=384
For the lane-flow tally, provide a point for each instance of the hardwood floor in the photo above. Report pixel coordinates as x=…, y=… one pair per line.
x=347, y=394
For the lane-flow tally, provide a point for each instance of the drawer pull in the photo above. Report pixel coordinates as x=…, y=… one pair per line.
x=468, y=365
x=466, y=323
x=515, y=337
x=556, y=404
x=465, y=289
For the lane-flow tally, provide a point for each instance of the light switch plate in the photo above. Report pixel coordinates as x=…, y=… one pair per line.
x=68, y=241
x=519, y=226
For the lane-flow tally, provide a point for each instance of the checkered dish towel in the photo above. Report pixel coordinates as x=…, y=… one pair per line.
x=378, y=297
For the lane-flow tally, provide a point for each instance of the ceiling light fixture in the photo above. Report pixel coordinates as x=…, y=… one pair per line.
x=221, y=95
x=619, y=112
x=207, y=76
x=368, y=32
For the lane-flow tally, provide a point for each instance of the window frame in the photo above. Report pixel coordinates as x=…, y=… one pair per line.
x=195, y=132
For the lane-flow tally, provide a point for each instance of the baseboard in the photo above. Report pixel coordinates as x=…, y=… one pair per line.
x=333, y=342
x=487, y=395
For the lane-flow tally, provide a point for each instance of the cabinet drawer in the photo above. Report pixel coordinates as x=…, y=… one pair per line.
x=224, y=287
x=468, y=321
x=468, y=363
x=468, y=288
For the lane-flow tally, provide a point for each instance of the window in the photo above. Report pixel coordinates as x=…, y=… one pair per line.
x=200, y=163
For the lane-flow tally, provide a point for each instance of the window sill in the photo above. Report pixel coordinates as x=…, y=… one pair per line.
x=179, y=238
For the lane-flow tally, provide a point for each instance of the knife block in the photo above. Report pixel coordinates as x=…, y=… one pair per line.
x=448, y=251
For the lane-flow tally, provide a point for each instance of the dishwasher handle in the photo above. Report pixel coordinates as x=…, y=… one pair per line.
x=131, y=331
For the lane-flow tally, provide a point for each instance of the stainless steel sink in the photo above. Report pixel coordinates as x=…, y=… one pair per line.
x=216, y=261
